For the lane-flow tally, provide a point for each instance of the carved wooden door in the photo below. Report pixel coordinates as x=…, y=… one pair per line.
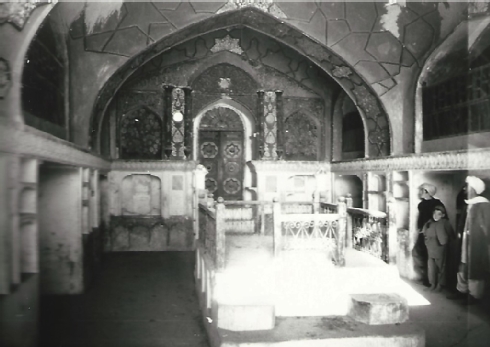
x=221, y=152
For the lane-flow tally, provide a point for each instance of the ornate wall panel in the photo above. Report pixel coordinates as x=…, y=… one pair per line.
x=139, y=125
x=140, y=135
x=224, y=81
x=302, y=137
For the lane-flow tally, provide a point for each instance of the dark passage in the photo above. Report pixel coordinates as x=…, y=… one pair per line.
x=137, y=299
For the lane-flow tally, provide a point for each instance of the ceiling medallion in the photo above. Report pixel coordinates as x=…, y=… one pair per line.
x=227, y=43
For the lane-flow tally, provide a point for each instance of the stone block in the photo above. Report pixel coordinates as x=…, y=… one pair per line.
x=246, y=317
x=376, y=309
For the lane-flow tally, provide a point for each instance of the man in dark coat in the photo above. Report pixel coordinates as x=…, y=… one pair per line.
x=426, y=208
x=475, y=251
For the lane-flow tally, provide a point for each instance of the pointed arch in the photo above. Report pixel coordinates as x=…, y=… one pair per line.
x=370, y=107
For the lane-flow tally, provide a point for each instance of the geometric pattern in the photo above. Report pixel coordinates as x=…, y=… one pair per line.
x=232, y=185
x=178, y=104
x=209, y=150
x=270, y=125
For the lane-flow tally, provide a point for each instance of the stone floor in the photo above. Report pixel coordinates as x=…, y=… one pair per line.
x=137, y=299
x=148, y=299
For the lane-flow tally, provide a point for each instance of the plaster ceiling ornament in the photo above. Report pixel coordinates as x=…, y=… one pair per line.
x=225, y=83
x=264, y=5
x=342, y=72
x=5, y=78
x=17, y=13
x=227, y=43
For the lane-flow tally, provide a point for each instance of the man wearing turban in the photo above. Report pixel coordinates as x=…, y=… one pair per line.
x=426, y=209
x=475, y=251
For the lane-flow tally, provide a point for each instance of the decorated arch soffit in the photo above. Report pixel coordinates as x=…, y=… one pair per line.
x=366, y=99
x=18, y=12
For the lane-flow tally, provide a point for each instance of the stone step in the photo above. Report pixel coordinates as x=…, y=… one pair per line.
x=246, y=317
x=376, y=309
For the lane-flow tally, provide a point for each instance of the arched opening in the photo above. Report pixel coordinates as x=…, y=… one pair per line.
x=349, y=184
x=352, y=136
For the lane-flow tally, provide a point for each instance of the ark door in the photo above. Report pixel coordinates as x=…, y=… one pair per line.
x=221, y=152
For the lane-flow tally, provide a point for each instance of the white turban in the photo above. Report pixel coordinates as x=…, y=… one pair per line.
x=477, y=184
x=429, y=188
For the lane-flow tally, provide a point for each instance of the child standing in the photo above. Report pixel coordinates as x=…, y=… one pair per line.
x=437, y=232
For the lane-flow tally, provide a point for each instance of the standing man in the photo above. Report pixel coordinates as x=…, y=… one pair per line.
x=475, y=251
x=426, y=208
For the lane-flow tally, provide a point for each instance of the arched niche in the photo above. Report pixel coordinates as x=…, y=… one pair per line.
x=349, y=134
x=371, y=109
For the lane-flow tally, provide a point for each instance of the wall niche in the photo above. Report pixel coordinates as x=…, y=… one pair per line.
x=141, y=195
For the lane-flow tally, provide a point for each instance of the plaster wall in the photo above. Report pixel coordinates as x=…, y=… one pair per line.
x=61, y=247
x=291, y=181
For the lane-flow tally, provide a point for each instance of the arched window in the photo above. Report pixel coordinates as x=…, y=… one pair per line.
x=43, y=82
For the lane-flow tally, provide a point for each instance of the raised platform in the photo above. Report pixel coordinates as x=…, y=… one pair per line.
x=332, y=331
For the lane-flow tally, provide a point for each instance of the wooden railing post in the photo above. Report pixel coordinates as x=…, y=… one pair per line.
x=276, y=214
x=341, y=233
x=392, y=242
x=220, y=234
x=349, y=236
x=316, y=202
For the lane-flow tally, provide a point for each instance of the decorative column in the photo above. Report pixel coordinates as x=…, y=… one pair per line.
x=178, y=128
x=188, y=129
x=167, y=121
x=260, y=124
x=270, y=126
x=280, y=125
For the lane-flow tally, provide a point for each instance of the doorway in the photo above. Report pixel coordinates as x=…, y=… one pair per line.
x=221, y=151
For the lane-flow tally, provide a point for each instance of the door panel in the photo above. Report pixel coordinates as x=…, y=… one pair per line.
x=221, y=152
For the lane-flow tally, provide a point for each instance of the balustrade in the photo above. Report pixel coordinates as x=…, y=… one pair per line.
x=370, y=232
x=299, y=225
x=310, y=231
